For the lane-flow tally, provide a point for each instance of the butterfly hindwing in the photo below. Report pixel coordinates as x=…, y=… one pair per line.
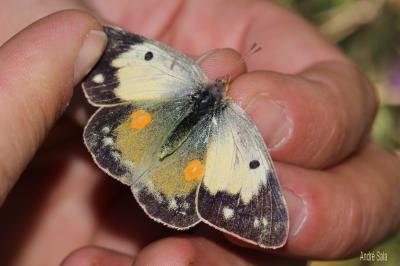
x=240, y=193
x=167, y=191
x=134, y=68
x=125, y=141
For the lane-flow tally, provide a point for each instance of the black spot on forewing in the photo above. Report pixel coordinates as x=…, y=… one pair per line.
x=148, y=56
x=119, y=42
x=254, y=164
x=264, y=220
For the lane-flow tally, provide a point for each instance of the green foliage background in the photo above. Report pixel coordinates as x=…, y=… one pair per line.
x=368, y=31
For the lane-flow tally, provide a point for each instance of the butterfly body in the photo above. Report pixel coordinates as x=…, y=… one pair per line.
x=205, y=102
x=188, y=152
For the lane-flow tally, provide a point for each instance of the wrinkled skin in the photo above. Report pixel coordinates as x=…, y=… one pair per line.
x=312, y=106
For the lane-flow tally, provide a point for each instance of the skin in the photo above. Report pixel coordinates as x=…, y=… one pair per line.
x=341, y=188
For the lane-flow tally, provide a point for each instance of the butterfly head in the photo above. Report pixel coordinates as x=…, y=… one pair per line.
x=221, y=87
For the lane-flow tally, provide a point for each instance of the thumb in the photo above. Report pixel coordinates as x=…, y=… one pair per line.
x=38, y=69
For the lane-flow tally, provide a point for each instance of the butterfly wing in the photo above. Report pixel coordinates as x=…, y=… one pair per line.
x=167, y=191
x=125, y=141
x=134, y=68
x=122, y=148
x=144, y=89
x=240, y=193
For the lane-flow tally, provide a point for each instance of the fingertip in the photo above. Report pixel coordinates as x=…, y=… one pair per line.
x=91, y=50
x=223, y=62
x=44, y=61
x=82, y=32
x=91, y=255
x=168, y=251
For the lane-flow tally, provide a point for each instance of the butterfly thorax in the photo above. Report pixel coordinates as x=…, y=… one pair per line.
x=208, y=98
x=205, y=102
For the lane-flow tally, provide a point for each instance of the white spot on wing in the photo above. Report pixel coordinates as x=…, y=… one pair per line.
x=278, y=226
x=108, y=141
x=186, y=205
x=173, y=205
x=105, y=130
x=264, y=221
x=99, y=78
x=115, y=155
x=256, y=223
x=228, y=213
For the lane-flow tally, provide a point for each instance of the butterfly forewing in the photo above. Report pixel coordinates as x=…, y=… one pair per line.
x=240, y=193
x=134, y=68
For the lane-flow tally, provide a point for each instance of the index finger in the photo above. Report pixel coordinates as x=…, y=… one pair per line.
x=320, y=109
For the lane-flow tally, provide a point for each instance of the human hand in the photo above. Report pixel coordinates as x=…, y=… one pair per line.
x=311, y=105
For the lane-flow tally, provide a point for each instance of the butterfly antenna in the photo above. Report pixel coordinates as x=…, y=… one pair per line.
x=255, y=48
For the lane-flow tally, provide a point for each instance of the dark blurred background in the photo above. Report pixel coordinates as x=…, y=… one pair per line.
x=368, y=31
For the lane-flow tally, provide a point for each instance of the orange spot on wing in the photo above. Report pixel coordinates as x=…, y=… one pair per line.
x=193, y=170
x=140, y=119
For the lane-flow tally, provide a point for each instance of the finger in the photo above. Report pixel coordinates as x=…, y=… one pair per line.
x=289, y=43
x=38, y=69
x=221, y=63
x=190, y=250
x=97, y=256
x=312, y=119
x=14, y=15
x=149, y=18
x=349, y=208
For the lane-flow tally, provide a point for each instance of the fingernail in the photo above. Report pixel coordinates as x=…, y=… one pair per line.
x=91, y=50
x=298, y=211
x=272, y=120
x=206, y=55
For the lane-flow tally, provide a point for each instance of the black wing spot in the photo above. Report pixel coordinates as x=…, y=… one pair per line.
x=148, y=56
x=254, y=164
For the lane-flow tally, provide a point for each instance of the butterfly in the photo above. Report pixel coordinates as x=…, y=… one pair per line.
x=187, y=151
